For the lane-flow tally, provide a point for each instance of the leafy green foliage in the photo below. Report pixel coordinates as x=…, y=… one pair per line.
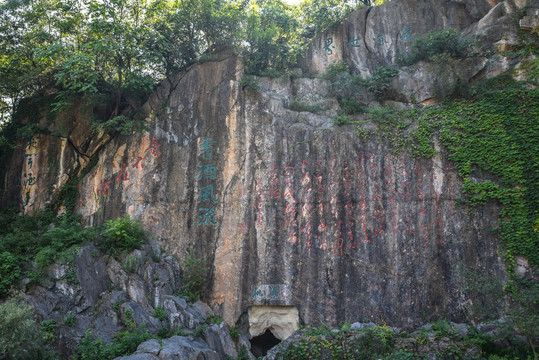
x=422, y=139
x=122, y=234
x=378, y=84
x=348, y=87
x=425, y=47
x=20, y=336
x=498, y=135
x=524, y=311
x=193, y=277
x=234, y=332
x=42, y=237
x=48, y=327
x=271, y=37
x=243, y=354
x=125, y=343
x=213, y=319
x=341, y=120
x=392, y=124
x=324, y=343
x=70, y=320
x=297, y=105
x=160, y=313
x=250, y=84
x=319, y=15
x=9, y=272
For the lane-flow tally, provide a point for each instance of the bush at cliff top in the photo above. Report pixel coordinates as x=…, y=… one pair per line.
x=122, y=234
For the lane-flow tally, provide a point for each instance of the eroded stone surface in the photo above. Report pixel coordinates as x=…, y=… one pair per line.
x=267, y=195
x=282, y=321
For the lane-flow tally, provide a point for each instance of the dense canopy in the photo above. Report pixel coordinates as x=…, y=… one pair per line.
x=123, y=47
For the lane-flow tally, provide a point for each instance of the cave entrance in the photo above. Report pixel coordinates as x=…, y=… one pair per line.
x=268, y=325
x=261, y=344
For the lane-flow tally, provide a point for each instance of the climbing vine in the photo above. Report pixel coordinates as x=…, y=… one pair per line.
x=493, y=139
x=498, y=134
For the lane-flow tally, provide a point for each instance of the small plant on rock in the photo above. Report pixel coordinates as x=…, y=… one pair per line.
x=69, y=320
x=160, y=313
x=250, y=84
x=234, y=332
x=194, y=276
x=122, y=234
x=436, y=42
x=341, y=120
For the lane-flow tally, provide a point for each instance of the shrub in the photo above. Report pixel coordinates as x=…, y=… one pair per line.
x=350, y=106
x=124, y=343
x=48, y=327
x=92, y=349
x=20, y=336
x=122, y=234
x=69, y=320
x=346, y=86
x=130, y=264
x=193, y=277
x=378, y=84
x=341, y=120
x=435, y=42
x=296, y=105
x=250, y=84
x=234, y=332
x=9, y=272
x=377, y=340
x=524, y=311
x=160, y=313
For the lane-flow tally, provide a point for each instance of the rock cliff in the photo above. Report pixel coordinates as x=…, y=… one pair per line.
x=284, y=207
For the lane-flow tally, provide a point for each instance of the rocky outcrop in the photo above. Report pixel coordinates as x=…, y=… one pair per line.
x=285, y=208
x=108, y=296
x=442, y=340
x=375, y=36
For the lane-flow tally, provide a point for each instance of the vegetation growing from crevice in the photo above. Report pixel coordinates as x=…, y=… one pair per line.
x=30, y=243
x=492, y=137
x=319, y=16
x=349, y=88
x=499, y=135
x=345, y=343
x=493, y=132
x=193, y=275
x=121, y=234
x=440, y=339
x=124, y=343
x=434, y=43
x=297, y=105
x=43, y=238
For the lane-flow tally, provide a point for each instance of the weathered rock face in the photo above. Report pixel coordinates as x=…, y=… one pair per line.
x=285, y=208
x=375, y=36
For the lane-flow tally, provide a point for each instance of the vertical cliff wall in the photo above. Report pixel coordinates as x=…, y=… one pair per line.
x=285, y=207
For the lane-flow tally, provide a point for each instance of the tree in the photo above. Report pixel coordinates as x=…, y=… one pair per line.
x=319, y=15
x=272, y=38
x=20, y=336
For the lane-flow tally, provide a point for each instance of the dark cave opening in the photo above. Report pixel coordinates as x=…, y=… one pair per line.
x=260, y=345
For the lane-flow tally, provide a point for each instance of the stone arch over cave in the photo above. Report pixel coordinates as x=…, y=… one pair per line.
x=268, y=325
